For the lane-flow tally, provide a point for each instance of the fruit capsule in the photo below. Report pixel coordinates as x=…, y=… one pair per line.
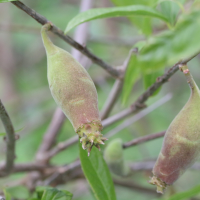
x=74, y=91
x=181, y=145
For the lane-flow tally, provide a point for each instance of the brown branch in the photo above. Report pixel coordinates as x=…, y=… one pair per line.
x=42, y=20
x=139, y=103
x=50, y=135
x=10, y=138
x=134, y=186
x=61, y=146
x=63, y=171
x=143, y=139
x=112, y=98
x=139, y=115
x=26, y=167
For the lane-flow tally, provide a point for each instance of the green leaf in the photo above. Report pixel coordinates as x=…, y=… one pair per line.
x=185, y=195
x=150, y=78
x=97, y=173
x=171, y=46
x=2, y=134
x=132, y=75
x=18, y=192
x=7, y=195
x=44, y=193
x=99, y=13
x=3, y=1
x=170, y=9
x=143, y=23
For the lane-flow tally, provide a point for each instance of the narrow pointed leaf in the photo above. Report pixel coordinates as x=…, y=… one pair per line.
x=3, y=1
x=98, y=175
x=52, y=194
x=99, y=13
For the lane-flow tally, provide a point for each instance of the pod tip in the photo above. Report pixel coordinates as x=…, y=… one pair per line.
x=159, y=183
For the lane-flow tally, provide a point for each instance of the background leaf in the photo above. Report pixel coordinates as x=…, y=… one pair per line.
x=133, y=73
x=170, y=9
x=184, y=195
x=7, y=195
x=99, y=13
x=3, y=1
x=53, y=194
x=171, y=46
x=143, y=23
x=97, y=174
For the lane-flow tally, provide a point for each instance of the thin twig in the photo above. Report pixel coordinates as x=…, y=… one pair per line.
x=61, y=146
x=139, y=115
x=42, y=20
x=112, y=98
x=139, y=103
x=134, y=186
x=27, y=167
x=63, y=170
x=143, y=139
x=51, y=133
x=82, y=31
x=10, y=138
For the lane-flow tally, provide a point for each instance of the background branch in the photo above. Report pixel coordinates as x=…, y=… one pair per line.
x=139, y=115
x=143, y=139
x=10, y=138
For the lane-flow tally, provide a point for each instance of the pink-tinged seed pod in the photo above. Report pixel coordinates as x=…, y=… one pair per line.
x=74, y=91
x=181, y=145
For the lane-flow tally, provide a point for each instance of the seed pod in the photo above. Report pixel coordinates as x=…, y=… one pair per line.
x=181, y=145
x=74, y=91
x=113, y=155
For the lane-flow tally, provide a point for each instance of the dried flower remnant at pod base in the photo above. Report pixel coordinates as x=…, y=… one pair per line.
x=74, y=91
x=181, y=145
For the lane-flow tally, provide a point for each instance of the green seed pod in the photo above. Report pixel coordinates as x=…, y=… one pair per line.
x=114, y=158
x=74, y=91
x=181, y=145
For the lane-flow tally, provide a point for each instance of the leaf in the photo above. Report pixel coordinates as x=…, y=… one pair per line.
x=99, y=13
x=44, y=193
x=2, y=134
x=7, y=195
x=3, y=1
x=185, y=195
x=171, y=46
x=143, y=23
x=97, y=173
x=149, y=79
x=18, y=192
x=133, y=73
x=170, y=9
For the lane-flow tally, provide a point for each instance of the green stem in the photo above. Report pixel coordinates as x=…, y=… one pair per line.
x=49, y=46
x=189, y=78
